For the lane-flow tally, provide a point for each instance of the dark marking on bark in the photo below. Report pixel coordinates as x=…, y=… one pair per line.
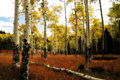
x=15, y=55
x=25, y=61
x=45, y=53
x=88, y=55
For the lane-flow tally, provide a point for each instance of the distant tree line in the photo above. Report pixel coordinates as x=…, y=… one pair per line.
x=2, y=32
x=6, y=40
x=112, y=45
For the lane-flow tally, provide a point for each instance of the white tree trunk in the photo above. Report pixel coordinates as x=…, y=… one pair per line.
x=45, y=37
x=76, y=29
x=69, y=71
x=32, y=37
x=103, y=37
x=26, y=46
x=87, y=31
x=27, y=21
x=83, y=31
x=16, y=36
x=52, y=44
x=65, y=28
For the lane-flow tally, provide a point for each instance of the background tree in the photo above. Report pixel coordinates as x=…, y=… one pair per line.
x=87, y=32
x=83, y=36
x=65, y=3
x=76, y=28
x=54, y=27
x=34, y=21
x=65, y=28
x=96, y=33
x=103, y=36
x=58, y=30
x=45, y=40
x=6, y=41
x=113, y=26
x=75, y=21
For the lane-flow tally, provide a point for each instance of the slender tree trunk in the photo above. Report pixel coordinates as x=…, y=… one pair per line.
x=65, y=28
x=96, y=42
x=34, y=47
x=16, y=62
x=22, y=45
x=26, y=45
x=119, y=48
x=52, y=44
x=119, y=24
x=83, y=31
x=45, y=39
x=32, y=39
x=119, y=38
x=55, y=42
x=103, y=37
x=87, y=31
x=76, y=29
x=61, y=46
x=113, y=45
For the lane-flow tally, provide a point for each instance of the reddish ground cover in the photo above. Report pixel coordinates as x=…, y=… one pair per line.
x=38, y=72
x=72, y=62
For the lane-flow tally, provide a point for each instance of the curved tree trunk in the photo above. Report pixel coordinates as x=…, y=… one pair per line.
x=16, y=62
x=26, y=44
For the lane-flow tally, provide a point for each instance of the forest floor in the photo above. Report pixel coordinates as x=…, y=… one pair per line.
x=38, y=72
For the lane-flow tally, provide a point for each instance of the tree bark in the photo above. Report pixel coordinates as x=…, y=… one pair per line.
x=103, y=37
x=52, y=44
x=26, y=44
x=45, y=39
x=88, y=77
x=32, y=37
x=83, y=31
x=119, y=24
x=65, y=28
x=16, y=62
x=32, y=41
x=87, y=31
x=76, y=29
x=96, y=42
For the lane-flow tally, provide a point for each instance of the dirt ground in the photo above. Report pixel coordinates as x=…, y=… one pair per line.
x=38, y=72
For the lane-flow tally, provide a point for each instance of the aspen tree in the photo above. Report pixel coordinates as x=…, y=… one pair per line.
x=26, y=44
x=16, y=62
x=87, y=32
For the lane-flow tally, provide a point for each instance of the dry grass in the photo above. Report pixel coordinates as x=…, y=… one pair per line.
x=38, y=72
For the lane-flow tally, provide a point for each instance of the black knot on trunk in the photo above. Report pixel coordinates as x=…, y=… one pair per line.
x=26, y=47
